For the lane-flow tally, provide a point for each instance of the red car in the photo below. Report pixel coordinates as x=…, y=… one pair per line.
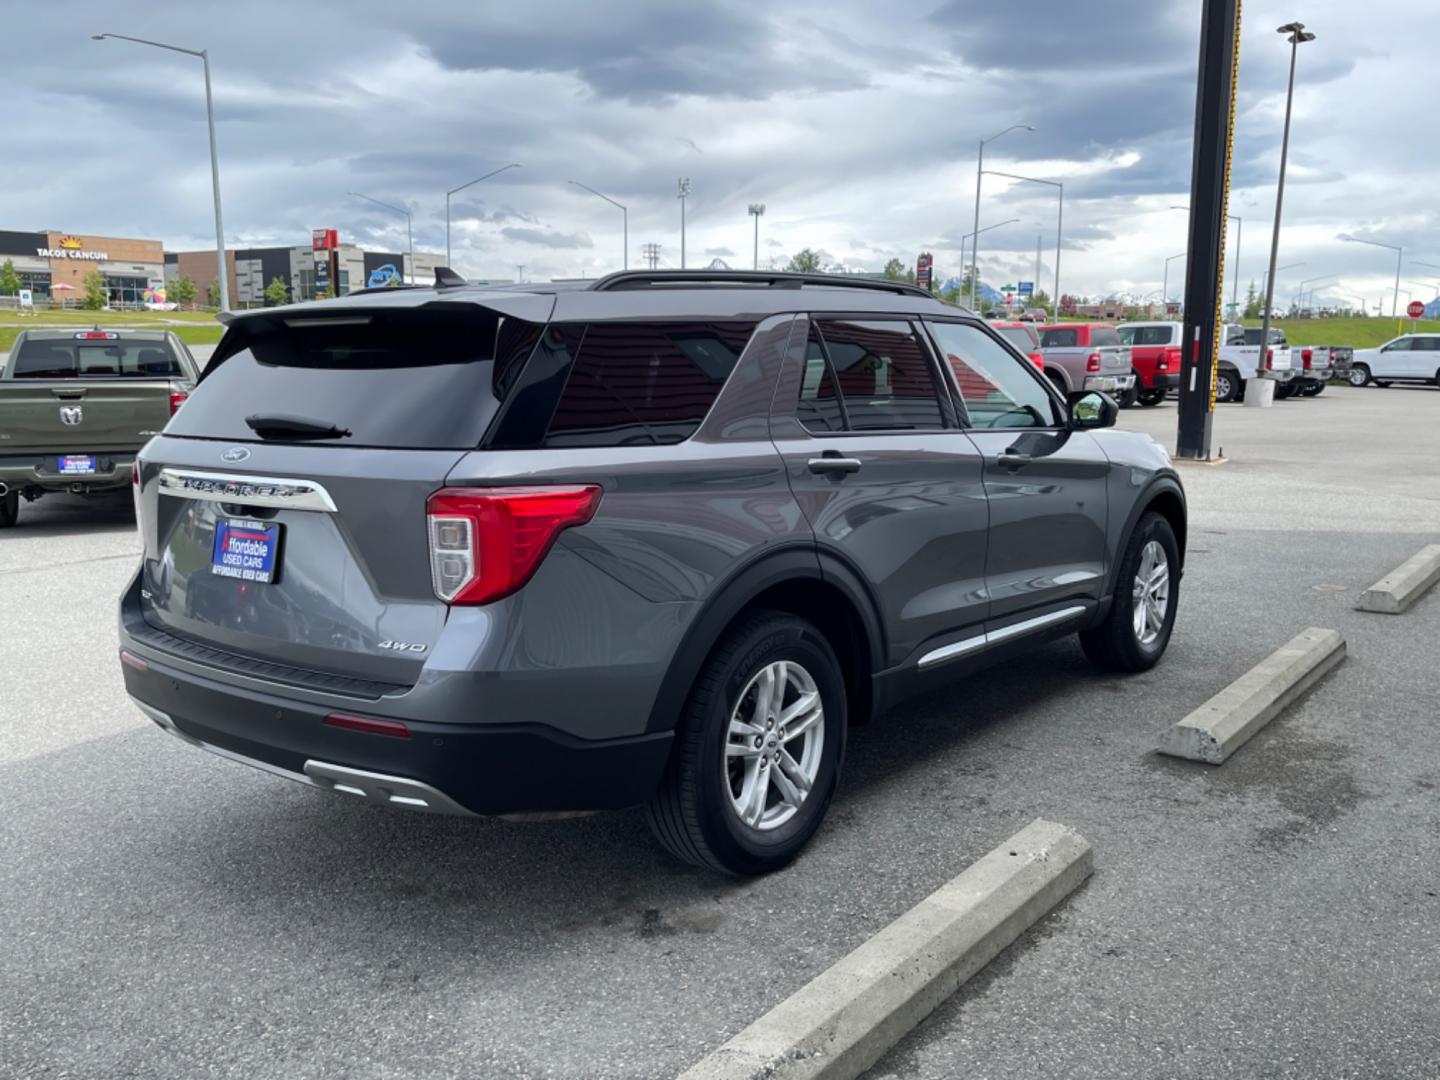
x=1155, y=356
x=1024, y=337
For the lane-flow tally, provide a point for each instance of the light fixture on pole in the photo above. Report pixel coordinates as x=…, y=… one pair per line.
x=1165, y=288
x=204, y=55
x=1298, y=35
x=624, y=218
x=462, y=187
x=975, y=229
x=756, y=209
x=682, y=190
x=1059, y=222
x=409, y=232
x=1235, y=266
x=1399, y=254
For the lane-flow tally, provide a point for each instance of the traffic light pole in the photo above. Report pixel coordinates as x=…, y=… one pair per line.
x=1209, y=208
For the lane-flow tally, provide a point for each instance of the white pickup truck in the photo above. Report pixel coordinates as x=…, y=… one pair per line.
x=1240, y=359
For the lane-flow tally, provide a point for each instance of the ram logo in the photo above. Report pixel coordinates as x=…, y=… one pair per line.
x=404, y=646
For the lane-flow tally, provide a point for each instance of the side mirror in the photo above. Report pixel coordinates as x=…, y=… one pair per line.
x=1092, y=409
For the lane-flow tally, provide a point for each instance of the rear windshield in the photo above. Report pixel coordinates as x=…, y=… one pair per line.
x=41, y=359
x=415, y=379
x=1104, y=335
x=1252, y=336
x=1145, y=335
x=1059, y=338
x=1019, y=336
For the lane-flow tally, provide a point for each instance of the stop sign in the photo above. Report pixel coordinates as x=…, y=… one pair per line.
x=1415, y=310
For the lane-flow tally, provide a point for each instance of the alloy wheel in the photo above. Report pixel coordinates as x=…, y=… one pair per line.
x=774, y=745
x=1150, y=593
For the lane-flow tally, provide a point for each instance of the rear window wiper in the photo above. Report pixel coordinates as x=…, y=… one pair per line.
x=276, y=426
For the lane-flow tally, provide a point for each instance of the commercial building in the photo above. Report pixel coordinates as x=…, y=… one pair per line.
x=251, y=270
x=54, y=263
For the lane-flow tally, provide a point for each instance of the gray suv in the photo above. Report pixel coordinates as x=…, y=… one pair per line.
x=657, y=539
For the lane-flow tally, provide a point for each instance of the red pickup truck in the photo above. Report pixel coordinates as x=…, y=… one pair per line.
x=1154, y=356
x=1024, y=337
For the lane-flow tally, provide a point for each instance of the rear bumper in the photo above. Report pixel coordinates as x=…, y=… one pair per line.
x=1321, y=374
x=1160, y=381
x=444, y=768
x=112, y=470
x=1110, y=384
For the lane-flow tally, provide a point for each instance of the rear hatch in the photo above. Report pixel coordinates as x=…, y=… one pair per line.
x=91, y=391
x=284, y=509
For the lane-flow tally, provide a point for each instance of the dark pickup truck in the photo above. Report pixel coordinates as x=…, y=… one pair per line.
x=76, y=406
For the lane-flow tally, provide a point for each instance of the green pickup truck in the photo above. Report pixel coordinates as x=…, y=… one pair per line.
x=76, y=406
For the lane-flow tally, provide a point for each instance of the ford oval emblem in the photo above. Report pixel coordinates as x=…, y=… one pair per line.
x=235, y=453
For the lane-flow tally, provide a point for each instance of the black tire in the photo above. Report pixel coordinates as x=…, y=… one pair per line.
x=1114, y=645
x=1384, y=384
x=693, y=814
x=1059, y=381
x=1128, y=398
x=1227, y=385
x=1359, y=375
x=1284, y=390
x=9, y=509
x=1150, y=398
x=1314, y=389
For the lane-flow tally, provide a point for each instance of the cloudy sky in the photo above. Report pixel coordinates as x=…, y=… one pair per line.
x=854, y=122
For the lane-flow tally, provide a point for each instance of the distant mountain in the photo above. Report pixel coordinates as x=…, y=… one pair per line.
x=988, y=295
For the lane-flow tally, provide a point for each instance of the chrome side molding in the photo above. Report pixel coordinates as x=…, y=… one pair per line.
x=279, y=492
x=957, y=649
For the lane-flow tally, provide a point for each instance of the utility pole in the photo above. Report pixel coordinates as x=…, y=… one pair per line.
x=1209, y=198
x=683, y=186
x=651, y=254
x=520, y=273
x=1036, y=282
x=1298, y=34
x=756, y=209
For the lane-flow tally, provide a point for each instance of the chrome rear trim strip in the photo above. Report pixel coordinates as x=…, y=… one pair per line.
x=960, y=648
x=279, y=492
x=398, y=791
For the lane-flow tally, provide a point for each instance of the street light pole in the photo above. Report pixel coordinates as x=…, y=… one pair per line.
x=462, y=187
x=1298, y=34
x=970, y=235
x=1235, y=267
x=1165, y=289
x=204, y=55
x=624, y=218
x=1059, y=221
x=756, y=209
x=976, y=230
x=1399, y=254
x=409, y=233
x=683, y=189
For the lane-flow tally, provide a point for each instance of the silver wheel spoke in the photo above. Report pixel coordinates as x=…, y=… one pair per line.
x=791, y=770
x=752, y=795
x=790, y=791
x=1150, y=593
x=801, y=705
x=781, y=696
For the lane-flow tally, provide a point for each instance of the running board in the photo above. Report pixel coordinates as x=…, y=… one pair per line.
x=956, y=649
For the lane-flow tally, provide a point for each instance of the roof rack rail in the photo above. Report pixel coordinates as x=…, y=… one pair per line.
x=627, y=280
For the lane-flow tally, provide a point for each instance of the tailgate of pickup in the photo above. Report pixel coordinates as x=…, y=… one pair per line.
x=75, y=415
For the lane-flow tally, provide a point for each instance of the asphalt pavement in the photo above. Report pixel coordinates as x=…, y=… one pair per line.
x=170, y=914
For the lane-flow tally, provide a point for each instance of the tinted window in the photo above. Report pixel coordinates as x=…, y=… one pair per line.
x=1059, y=338
x=399, y=379
x=1252, y=336
x=41, y=359
x=1104, y=335
x=644, y=383
x=1429, y=344
x=1403, y=345
x=819, y=409
x=1000, y=390
x=1145, y=335
x=884, y=375
x=1018, y=336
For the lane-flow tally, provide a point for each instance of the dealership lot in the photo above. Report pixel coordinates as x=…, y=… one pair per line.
x=171, y=914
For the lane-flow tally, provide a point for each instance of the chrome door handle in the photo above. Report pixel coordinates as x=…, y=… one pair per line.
x=835, y=464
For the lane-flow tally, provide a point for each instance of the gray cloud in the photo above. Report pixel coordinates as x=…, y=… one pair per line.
x=545, y=238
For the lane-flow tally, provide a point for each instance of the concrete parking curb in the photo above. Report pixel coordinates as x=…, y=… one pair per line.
x=842, y=1021
x=1400, y=588
x=1227, y=721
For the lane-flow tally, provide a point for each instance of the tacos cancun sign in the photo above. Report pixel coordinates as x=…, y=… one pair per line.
x=70, y=249
x=71, y=253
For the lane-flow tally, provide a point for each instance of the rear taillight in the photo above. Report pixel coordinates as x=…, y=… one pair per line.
x=1038, y=359
x=135, y=490
x=487, y=542
x=1093, y=362
x=1168, y=358
x=1269, y=359
x=1305, y=355
x=370, y=725
x=177, y=398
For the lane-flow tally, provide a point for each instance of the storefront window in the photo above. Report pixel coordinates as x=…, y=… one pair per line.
x=125, y=289
x=37, y=281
